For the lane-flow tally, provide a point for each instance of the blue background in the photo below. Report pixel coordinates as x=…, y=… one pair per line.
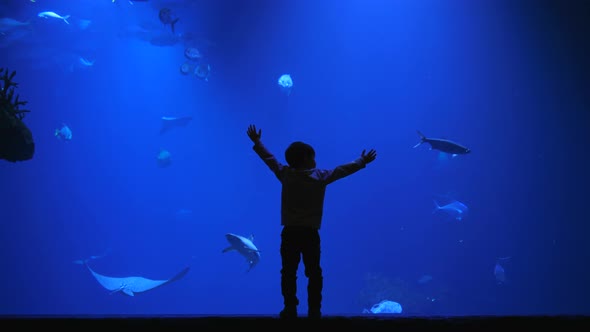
x=508, y=79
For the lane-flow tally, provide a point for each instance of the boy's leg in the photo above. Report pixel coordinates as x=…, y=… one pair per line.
x=290, y=257
x=313, y=271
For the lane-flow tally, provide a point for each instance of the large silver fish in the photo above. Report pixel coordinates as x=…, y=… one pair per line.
x=443, y=145
x=54, y=15
x=454, y=209
x=245, y=247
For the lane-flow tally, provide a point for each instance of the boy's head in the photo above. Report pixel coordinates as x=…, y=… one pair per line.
x=300, y=155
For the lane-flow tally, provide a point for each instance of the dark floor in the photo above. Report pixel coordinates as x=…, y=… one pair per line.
x=362, y=323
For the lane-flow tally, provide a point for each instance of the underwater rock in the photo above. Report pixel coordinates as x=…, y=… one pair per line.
x=16, y=139
x=385, y=307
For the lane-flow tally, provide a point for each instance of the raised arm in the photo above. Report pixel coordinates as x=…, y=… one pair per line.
x=350, y=168
x=266, y=156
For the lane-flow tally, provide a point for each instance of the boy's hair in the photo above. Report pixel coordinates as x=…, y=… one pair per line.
x=297, y=153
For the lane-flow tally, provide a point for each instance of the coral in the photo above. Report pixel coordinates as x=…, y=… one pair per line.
x=7, y=104
x=16, y=140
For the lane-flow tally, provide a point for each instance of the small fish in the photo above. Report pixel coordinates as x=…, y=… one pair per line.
x=184, y=214
x=499, y=272
x=425, y=279
x=83, y=24
x=443, y=145
x=455, y=209
x=9, y=24
x=245, y=247
x=54, y=15
x=169, y=122
x=131, y=1
x=86, y=62
x=84, y=261
x=168, y=17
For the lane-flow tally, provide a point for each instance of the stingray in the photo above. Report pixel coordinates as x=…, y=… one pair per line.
x=167, y=122
x=131, y=285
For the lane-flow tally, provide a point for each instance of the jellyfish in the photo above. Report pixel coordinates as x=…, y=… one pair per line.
x=192, y=53
x=64, y=133
x=185, y=68
x=286, y=83
x=202, y=71
x=164, y=158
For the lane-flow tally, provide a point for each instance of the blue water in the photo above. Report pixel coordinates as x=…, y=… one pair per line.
x=508, y=79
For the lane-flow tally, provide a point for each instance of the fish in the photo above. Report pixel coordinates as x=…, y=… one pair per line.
x=85, y=62
x=132, y=285
x=425, y=279
x=12, y=31
x=184, y=214
x=169, y=122
x=54, y=15
x=455, y=209
x=83, y=261
x=168, y=17
x=499, y=272
x=9, y=24
x=443, y=145
x=131, y=1
x=245, y=247
x=84, y=24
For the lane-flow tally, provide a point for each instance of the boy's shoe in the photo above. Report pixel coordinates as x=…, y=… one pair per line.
x=288, y=313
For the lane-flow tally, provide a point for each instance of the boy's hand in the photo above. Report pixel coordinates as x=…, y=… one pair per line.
x=370, y=156
x=254, y=136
